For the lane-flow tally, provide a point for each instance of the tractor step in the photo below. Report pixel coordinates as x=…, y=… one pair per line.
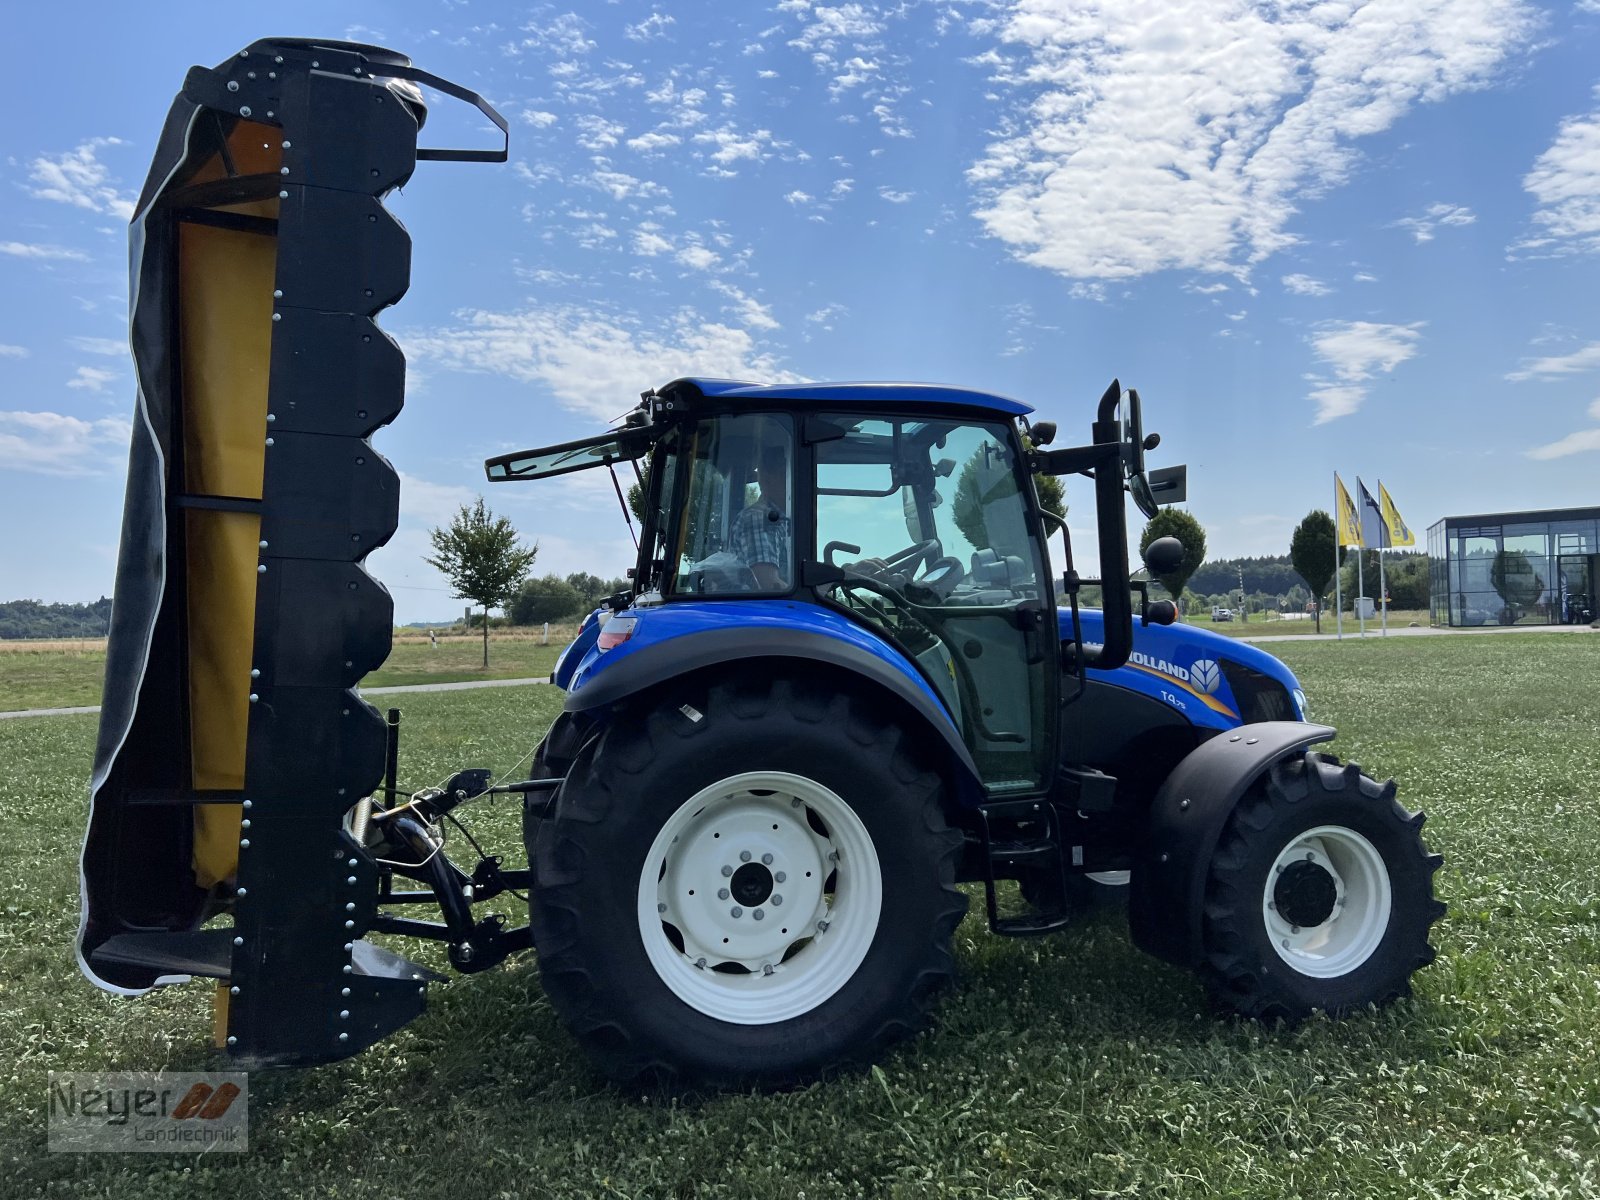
x=206, y=952
x=1040, y=855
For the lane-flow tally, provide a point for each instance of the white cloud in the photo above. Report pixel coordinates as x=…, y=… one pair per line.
x=79, y=178
x=798, y=197
x=538, y=118
x=699, y=258
x=1574, y=443
x=1422, y=226
x=592, y=360
x=1594, y=405
x=1205, y=289
x=650, y=243
x=49, y=443
x=92, y=379
x=38, y=251
x=563, y=35
x=1565, y=180
x=654, y=142
x=620, y=186
x=894, y=197
x=1305, y=285
x=1364, y=277
x=731, y=145
x=1558, y=366
x=653, y=26
x=13, y=351
x=824, y=28
x=826, y=315
x=1153, y=134
x=746, y=308
x=1355, y=350
x=841, y=187
x=109, y=347
x=597, y=133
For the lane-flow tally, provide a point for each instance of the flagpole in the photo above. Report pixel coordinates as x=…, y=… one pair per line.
x=1361, y=593
x=1338, y=601
x=1383, y=594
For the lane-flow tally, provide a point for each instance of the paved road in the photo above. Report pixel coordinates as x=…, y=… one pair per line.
x=376, y=691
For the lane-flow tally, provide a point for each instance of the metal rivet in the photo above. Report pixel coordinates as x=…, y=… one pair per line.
x=350, y=907
x=234, y=990
x=255, y=672
x=722, y=894
x=422, y=991
x=344, y=991
x=777, y=899
x=244, y=110
x=1251, y=741
x=277, y=293
x=262, y=569
x=767, y=858
x=349, y=946
x=283, y=170
x=283, y=195
x=248, y=804
x=744, y=856
x=245, y=824
x=278, y=58
x=238, y=941
x=286, y=145
x=315, y=63
x=344, y=712
x=1164, y=857
x=243, y=892
x=1234, y=738
x=269, y=112
x=341, y=792
x=254, y=697
x=277, y=316
x=726, y=871
x=344, y=1014
x=344, y=1037
x=263, y=545
x=737, y=911
x=232, y=1041
x=780, y=876
x=272, y=74
x=244, y=843
x=270, y=442
x=349, y=924
x=1183, y=804
x=348, y=968
x=351, y=881
x=233, y=85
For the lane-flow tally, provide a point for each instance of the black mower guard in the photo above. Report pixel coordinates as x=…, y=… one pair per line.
x=232, y=740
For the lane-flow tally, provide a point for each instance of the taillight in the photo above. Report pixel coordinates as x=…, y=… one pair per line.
x=616, y=631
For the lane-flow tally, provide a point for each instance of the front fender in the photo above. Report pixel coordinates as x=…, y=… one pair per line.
x=1167, y=891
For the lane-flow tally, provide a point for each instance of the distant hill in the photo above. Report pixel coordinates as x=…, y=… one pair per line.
x=33, y=619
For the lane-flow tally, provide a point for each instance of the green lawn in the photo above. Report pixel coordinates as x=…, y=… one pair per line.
x=1068, y=1066
x=59, y=676
x=1260, y=625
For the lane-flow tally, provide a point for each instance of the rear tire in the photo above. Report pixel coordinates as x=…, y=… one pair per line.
x=684, y=814
x=1320, y=895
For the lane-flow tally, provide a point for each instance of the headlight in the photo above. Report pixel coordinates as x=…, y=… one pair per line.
x=1300, y=703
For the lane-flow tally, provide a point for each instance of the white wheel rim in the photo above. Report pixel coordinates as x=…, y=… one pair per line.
x=1358, y=916
x=787, y=951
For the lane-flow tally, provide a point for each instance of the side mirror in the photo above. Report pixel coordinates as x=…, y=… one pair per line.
x=1042, y=433
x=1164, y=556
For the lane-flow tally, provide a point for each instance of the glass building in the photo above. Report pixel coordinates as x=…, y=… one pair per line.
x=1519, y=568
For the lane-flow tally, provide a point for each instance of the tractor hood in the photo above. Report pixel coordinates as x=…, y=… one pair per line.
x=1215, y=680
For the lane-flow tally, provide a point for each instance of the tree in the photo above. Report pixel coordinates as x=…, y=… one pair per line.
x=1175, y=522
x=1512, y=575
x=549, y=599
x=591, y=589
x=482, y=557
x=1314, y=556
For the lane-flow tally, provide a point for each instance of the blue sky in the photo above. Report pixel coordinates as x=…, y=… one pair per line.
x=1324, y=236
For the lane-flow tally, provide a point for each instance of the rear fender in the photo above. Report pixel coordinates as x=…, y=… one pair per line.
x=1167, y=891
x=773, y=649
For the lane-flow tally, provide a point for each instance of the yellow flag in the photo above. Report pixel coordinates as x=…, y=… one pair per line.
x=1349, y=523
x=1399, y=532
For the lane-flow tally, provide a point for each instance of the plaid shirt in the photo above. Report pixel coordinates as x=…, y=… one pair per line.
x=761, y=535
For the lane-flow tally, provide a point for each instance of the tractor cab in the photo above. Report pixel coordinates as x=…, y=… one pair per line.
x=906, y=509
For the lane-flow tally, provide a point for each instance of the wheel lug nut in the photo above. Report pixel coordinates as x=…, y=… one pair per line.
x=776, y=899
x=766, y=968
x=780, y=876
x=767, y=858
x=737, y=911
x=758, y=914
x=1294, y=929
x=1271, y=907
x=726, y=871
x=744, y=856
x=722, y=893
x=822, y=927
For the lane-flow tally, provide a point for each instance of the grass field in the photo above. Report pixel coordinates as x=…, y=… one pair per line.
x=1068, y=1066
x=70, y=674
x=1261, y=626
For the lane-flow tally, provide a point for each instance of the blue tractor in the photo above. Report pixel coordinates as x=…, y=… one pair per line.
x=846, y=681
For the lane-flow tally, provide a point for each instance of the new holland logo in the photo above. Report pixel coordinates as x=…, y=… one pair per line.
x=1205, y=675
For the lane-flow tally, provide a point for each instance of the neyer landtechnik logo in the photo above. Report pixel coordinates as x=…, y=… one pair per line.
x=149, y=1111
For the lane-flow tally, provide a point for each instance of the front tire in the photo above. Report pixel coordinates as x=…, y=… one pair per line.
x=1320, y=895
x=749, y=882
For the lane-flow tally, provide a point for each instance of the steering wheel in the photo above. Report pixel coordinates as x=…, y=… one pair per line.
x=911, y=556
